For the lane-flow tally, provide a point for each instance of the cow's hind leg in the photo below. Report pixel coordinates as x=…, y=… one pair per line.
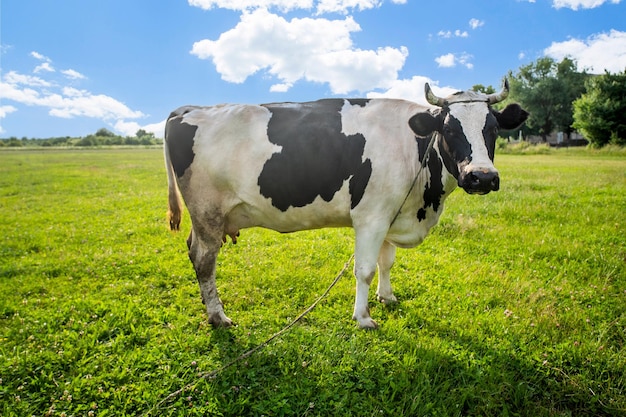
x=386, y=258
x=204, y=246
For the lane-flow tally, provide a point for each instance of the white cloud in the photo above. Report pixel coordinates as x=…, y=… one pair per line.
x=74, y=92
x=12, y=92
x=16, y=78
x=322, y=6
x=342, y=6
x=475, y=23
x=449, y=34
x=73, y=75
x=585, y=4
x=131, y=128
x=284, y=5
x=4, y=110
x=413, y=89
x=317, y=50
x=446, y=61
x=83, y=103
x=46, y=90
x=44, y=67
x=451, y=60
x=66, y=103
x=600, y=52
x=281, y=88
x=39, y=56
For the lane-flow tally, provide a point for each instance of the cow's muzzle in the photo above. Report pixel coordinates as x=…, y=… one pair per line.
x=480, y=181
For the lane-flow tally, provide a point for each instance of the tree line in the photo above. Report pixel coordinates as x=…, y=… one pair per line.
x=560, y=98
x=103, y=137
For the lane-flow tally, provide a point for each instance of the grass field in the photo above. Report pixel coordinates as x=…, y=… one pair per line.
x=515, y=305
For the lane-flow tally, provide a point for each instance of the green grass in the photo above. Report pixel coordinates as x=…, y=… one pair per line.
x=515, y=305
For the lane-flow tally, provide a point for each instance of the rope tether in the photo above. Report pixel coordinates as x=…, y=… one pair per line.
x=213, y=374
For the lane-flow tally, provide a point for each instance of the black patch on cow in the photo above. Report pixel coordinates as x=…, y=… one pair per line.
x=434, y=187
x=315, y=159
x=422, y=146
x=179, y=139
x=490, y=133
x=361, y=102
x=456, y=148
x=359, y=181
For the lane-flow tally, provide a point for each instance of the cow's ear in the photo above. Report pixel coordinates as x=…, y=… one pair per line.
x=425, y=123
x=511, y=117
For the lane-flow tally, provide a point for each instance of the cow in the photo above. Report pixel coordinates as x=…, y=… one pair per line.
x=383, y=167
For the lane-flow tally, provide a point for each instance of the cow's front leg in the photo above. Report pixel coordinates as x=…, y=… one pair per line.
x=368, y=246
x=203, y=254
x=386, y=258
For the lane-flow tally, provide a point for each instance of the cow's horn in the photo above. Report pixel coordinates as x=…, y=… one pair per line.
x=498, y=97
x=432, y=98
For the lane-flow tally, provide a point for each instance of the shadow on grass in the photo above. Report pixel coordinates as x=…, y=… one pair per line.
x=430, y=370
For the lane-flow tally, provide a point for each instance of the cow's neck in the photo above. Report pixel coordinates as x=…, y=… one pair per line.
x=450, y=170
x=425, y=204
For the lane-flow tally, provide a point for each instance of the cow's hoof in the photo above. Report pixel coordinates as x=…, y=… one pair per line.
x=388, y=300
x=219, y=320
x=367, y=323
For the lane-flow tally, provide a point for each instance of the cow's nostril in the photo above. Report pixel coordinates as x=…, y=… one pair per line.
x=495, y=183
x=474, y=179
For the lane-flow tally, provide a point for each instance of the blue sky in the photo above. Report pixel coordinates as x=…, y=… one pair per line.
x=70, y=67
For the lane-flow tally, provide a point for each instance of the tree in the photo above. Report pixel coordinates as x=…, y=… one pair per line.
x=89, y=140
x=573, y=86
x=600, y=113
x=104, y=132
x=479, y=88
x=547, y=90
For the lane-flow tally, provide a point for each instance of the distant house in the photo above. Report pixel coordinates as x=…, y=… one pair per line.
x=560, y=139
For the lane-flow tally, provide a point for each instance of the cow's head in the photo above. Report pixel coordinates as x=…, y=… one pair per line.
x=467, y=128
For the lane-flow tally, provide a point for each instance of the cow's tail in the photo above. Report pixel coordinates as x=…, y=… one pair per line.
x=175, y=203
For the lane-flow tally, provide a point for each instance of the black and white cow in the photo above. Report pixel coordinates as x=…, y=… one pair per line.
x=329, y=163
